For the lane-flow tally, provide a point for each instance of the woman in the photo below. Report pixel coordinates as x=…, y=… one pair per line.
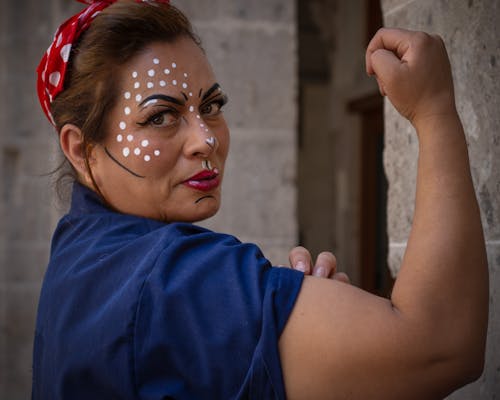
x=138, y=302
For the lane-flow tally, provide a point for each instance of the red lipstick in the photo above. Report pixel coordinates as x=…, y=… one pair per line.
x=204, y=180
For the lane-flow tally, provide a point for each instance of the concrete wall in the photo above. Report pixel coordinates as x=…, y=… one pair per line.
x=253, y=52
x=471, y=30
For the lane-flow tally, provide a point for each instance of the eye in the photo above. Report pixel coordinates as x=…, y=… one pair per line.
x=161, y=119
x=214, y=107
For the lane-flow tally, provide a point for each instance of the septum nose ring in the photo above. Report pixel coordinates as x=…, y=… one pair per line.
x=211, y=141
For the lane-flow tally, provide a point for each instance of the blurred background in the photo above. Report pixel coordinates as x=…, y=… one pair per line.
x=317, y=157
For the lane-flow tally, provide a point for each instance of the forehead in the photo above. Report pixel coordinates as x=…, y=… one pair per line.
x=181, y=60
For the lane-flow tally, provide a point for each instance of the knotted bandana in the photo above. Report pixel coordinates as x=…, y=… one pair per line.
x=52, y=68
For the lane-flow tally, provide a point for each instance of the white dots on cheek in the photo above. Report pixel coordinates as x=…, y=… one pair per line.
x=127, y=95
x=119, y=138
x=166, y=71
x=138, y=98
x=150, y=85
x=134, y=74
x=191, y=108
x=137, y=85
x=163, y=83
x=184, y=85
x=174, y=65
x=151, y=72
x=137, y=151
x=127, y=110
x=126, y=151
x=145, y=143
x=130, y=138
x=123, y=126
x=174, y=82
x=147, y=158
x=157, y=153
x=156, y=61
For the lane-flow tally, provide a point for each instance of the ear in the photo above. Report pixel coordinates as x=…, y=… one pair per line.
x=73, y=147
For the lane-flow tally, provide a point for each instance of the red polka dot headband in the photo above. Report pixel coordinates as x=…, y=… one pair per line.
x=52, y=68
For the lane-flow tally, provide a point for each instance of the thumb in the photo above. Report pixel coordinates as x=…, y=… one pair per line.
x=386, y=67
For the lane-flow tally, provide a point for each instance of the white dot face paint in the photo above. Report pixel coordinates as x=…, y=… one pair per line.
x=174, y=65
x=191, y=108
x=137, y=151
x=150, y=85
x=190, y=94
x=127, y=95
x=166, y=71
x=127, y=110
x=137, y=85
x=130, y=138
x=147, y=158
x=123, y=126
x=126, y=151
x=174, y=82
x=134, y=74
x=163, y=83
x=185, y=75
x=145, y=143
x=184, y=85
x=156, y=61
x=138, y=98
x=151, y=72
x=157, y=153
x=119, y=138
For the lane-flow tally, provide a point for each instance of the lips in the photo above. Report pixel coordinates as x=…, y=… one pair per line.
x=204, y=180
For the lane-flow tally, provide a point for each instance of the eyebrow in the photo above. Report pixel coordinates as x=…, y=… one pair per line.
x=162, y=97
x=214, y=87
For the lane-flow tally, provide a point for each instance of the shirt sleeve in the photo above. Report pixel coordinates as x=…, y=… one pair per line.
x=209, y=320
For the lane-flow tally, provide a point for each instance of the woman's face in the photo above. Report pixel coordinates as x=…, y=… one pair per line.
x=166, y=138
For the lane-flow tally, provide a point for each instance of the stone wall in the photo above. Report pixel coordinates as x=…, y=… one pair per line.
x=253, y=53
x=471, y=31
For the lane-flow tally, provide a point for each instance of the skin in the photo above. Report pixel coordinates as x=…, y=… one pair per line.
x=428, y=339
x=155, y=188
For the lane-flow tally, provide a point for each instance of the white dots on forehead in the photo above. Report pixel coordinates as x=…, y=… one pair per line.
x=163, y=83
x=145, y=143
x=191, y=108
x=137, y=85
x=166, y=71
x=135, y=74
x=156, y=61
x=150, y=85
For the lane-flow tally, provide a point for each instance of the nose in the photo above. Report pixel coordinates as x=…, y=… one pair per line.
x=200, y=142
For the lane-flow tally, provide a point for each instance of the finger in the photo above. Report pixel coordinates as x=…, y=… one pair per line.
x=341, y=277
x=393, y=40
x=300, y=259
x=325, y=266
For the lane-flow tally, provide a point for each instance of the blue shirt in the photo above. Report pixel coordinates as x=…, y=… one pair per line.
x=133, y=308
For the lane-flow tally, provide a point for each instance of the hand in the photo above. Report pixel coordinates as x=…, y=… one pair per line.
x=325, y=266
x=413, y=70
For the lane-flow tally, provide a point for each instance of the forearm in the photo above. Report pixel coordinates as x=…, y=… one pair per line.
x=443, y=282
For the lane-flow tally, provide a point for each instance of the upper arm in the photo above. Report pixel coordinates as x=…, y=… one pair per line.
x=342, y=342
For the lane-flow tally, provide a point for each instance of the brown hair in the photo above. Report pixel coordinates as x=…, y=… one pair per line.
x=117, y=34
